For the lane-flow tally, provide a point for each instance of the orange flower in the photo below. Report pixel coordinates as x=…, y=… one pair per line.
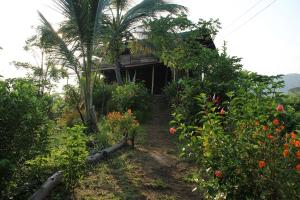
x=172, y=130
x=218, y=173
x=277, y=130
x=293, y=135
x=298, y=167
x=261, y=164
x=285, y=153
x=297, y=143
x=286, y=146
x=257, y=123
x=276, y=122
x=298, y=154
x=265, y=128
x=270, y=136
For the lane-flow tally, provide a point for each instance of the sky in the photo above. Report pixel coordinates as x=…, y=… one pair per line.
x=264, y=33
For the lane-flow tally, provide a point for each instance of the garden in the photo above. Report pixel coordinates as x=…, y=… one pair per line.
x=212, y=131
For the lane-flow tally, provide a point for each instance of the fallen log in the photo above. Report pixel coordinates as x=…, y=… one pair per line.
x=46, y=188
x=95, y=158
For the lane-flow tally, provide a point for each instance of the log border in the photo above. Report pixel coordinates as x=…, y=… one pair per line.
x=57, y=177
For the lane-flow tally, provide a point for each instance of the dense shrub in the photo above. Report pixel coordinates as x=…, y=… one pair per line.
x=131, y=96
x=24, y=123
x=23, y=119
x=248, y=148
x=68, y=152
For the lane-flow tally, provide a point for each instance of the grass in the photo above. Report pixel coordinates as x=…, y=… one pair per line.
x=115, y=179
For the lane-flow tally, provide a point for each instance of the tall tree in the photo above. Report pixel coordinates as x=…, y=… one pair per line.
x=122, y=19
x=75, y=42
x=45, y=71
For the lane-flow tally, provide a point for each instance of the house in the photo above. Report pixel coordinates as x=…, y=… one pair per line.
x=147, y=68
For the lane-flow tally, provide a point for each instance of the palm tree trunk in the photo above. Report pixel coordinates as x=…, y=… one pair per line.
x=91, y=120
x=118, y=71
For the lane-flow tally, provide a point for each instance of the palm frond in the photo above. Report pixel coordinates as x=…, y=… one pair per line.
x=59, y=47
x=148, y=8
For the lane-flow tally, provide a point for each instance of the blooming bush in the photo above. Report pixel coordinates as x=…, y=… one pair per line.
x=131, y=96
x=247, y=150
x=120, y=124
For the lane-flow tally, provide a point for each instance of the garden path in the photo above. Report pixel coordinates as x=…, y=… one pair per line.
x=151, y=171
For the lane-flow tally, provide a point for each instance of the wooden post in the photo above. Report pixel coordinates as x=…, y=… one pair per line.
x=174, y=75
x=152, y=86
x=126, y=72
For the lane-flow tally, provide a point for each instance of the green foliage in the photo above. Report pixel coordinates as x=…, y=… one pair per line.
x=131, y=96
x=242, y=151
x=23, y=120
x=68, y=153
x=293, y=100
x=102, y=94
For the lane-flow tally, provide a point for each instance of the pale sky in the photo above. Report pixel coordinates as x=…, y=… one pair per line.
x=269, y=43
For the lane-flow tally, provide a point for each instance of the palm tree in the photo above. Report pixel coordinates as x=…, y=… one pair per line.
x=122, y=20
x=75, y=43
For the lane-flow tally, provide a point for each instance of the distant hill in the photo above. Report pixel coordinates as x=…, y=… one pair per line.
x=292, y=82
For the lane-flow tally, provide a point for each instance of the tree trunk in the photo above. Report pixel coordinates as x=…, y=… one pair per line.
x=79, y=111
x=118, y=71
x=91, y=120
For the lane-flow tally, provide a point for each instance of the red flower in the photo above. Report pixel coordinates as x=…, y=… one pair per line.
x=276, y=122
x=265, y=128
x=286, y=146
x=298, y=154
x=218, y=173
x=293, y=135
x=285, y=153
x=172, y=130
x=297, y=143
x=261, y=164
x=270, y=136
x=280, y=108
x=298, y=167
x=222, y=112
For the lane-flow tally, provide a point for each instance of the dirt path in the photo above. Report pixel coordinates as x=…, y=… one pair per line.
x=151, y=171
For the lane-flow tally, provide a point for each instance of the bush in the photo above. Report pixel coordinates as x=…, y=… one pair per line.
x=246, y=150
x=24, y=123
x=23, y=120
x=120, y=124
x=68, y=153
x=131, y=96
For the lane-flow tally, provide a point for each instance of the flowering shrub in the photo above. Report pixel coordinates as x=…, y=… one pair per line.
x=247, y=150
x=131, y=96
x=121, y=124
